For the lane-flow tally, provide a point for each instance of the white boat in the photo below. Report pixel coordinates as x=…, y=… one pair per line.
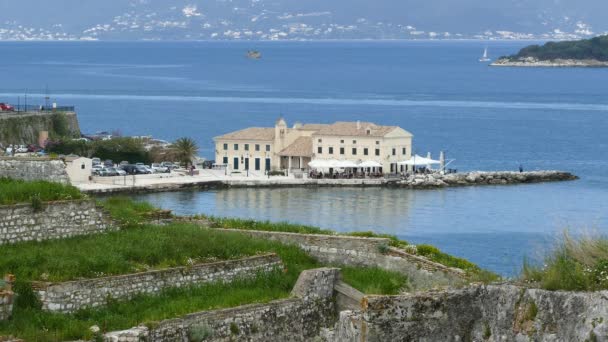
x=485, y=57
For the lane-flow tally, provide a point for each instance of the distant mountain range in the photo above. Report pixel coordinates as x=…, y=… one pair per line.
x=300, y=19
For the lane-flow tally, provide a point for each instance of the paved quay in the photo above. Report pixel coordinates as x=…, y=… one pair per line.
x=214, y=179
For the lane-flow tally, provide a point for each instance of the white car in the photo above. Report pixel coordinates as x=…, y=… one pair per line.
x=158, y=168
x=21, y=149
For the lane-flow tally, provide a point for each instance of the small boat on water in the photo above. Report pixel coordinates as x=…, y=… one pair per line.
x=485, y=57
x=254, y=54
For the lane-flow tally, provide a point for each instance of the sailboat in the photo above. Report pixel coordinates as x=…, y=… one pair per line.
x=485, y=57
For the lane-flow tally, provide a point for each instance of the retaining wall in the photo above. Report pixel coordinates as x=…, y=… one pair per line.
x=299, y=318
x=479, y=313
x=74, y=295
x=57, y=220
x=371, y=252
x=30, y=169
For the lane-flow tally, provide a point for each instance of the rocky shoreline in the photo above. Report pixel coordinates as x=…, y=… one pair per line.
x=483, y=178
x=555, y=63
x=422, y=181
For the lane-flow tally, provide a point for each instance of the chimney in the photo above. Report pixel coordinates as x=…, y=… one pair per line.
x=358, y=124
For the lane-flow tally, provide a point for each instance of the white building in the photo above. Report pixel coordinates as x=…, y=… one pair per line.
x=284, y=148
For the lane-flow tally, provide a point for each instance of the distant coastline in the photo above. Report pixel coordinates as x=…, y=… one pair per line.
x=554, y=63
x=587, y=53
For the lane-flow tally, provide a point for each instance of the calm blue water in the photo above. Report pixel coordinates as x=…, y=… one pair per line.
x=485, y=118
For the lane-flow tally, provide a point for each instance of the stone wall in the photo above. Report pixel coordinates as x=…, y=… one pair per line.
x=24, y=127
x=57, y=220
x=478, y=313
x=74, y=295
x=299, y=318
x=6, y=297
x=30, y=169
x=372, y=252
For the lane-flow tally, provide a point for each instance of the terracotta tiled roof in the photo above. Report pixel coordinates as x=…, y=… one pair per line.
x=355, y=129
x=301, y=147
x=312, y=127
x=252, y=133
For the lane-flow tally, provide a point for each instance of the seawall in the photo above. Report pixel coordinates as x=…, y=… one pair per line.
x=24, y=127
x=431, y=181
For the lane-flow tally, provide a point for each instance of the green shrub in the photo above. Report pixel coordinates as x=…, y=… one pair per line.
x=35, y=192
x=575, y=264
x=199, y=332
x=374, y=280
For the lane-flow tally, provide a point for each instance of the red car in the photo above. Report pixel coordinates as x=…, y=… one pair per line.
x=6, y=107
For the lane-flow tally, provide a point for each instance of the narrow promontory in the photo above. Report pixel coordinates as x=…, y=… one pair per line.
x=580, y=53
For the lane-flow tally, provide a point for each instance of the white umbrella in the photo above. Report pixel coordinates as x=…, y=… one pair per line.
x=370, y=163
x=418, y=161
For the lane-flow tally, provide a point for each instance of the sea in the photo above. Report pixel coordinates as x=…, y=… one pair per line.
x=484, y=118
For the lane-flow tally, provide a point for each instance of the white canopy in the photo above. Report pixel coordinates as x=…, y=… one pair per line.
x=419, y=161
x=370, y=163
x=340, y=164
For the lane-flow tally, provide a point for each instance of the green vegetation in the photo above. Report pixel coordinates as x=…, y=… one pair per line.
x=375, y=280
x=127, y=212
x=116, y=149
x=594, y=48
x=18, y=191
x=25, y=128
x=32, y=324
x=60, y=125
x=185, y=149
x=576, y=264
x=428, y=251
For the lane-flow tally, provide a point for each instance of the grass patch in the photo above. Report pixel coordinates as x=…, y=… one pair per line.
x=18, y=191
x=576, y=264
x=430, y=252
x=127, y=251
x=127, y=212
x=375, y=280
x=32, y=324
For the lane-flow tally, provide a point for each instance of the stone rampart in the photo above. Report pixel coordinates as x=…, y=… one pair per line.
x=74, y=295
x=371, y=252
x=30, y=169
x=299, y=318
x=56, y=220
x=6, y=297
x=478, y=313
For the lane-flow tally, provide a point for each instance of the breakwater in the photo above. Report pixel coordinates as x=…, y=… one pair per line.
x=418, y=181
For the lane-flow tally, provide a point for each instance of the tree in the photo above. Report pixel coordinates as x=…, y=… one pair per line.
x=185, y=149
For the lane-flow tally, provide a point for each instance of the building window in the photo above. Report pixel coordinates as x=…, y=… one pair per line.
x=365, y=151
x=236, y=147
x=225, y=147
x=377, y=142
x=341, y=141
x=257, y=164
x=246, y=147
x=235, y=165
x=341, y=150
x=354, y=151
x=320, y=140
x=354, y=142
x=257, y=147
x=394, y=151
x=225, y=161
x=369, y=132
x=320, y=150
x=331, y=150
x=377, y=151
x=267, y=148
x=403, y=150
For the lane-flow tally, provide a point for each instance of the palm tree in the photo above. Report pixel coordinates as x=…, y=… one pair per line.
x=185, y=149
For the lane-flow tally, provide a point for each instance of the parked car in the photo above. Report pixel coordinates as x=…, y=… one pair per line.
x=21, y=149
x=5, y=107
x=169, y=165
x=96, y=170
x=121, y=172
x=208, y=164
x=108, y=172
x=124, y=162
x=108, y=163
x=142, y=170
x=96, y=161
x=33, y=148
x=158, y=168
